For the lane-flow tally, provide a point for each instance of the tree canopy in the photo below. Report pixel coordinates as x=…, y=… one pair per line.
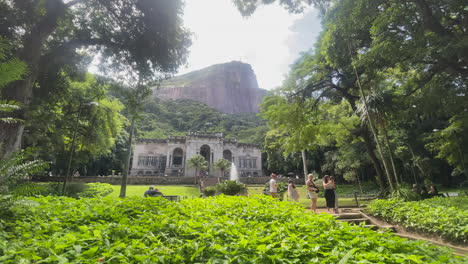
x=399, y=67
x=136, y=40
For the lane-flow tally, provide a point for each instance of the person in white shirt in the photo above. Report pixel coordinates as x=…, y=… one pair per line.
x=273, y=186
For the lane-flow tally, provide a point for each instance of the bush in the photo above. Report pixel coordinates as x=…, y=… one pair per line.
x=72, y=189
x=218, y=229
x=446, y=217
x=209, y=191
x=96, y=189
x=231, y=188
x=31, y=189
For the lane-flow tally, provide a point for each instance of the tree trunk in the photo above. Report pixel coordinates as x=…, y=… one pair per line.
x=304, y=164
x=21, y=91
x=375, y=161
x=123, y=185
x=390, y=154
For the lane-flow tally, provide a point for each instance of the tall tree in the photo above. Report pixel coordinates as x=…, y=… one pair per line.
x=140, y=39
x=133, y=98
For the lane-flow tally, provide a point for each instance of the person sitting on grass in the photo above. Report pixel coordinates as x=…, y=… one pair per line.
x=433, y=191
x=423, y=192
x=152, y=192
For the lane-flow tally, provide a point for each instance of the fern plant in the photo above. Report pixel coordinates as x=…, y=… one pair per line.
x=404, y=194
x=17, y=167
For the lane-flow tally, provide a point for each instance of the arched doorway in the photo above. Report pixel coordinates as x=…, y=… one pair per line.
x=227, y=155
x=205, y=151
x=177, y=157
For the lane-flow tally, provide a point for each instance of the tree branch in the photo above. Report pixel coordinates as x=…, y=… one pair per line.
x=74, y=2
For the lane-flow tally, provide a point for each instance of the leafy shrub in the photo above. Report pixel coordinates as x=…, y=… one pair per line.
x=96, y=189
x=218, y=229
x=446, y=217
x=31, y=189
x=209, y=191
x=405, y=194
x=231, y=188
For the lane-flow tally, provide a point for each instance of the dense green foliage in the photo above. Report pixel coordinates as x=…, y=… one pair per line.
x=211, y=230
x=137, y=42
x=83, y=120
x=381, y=94
x=446, y=217
x=162, y=119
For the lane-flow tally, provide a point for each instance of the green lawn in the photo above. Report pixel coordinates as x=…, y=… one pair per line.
x=192, y=192
x=139, y=190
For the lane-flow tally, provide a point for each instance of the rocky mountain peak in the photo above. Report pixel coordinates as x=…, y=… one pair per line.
x=228, y=87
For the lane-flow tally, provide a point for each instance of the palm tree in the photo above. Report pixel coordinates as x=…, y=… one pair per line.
x=378, y=105
x=223, y=165
x=198, y=162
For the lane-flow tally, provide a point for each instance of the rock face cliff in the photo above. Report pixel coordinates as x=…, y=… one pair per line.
x=229, y=87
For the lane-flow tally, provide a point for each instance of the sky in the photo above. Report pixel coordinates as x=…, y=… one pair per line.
x=270, y=40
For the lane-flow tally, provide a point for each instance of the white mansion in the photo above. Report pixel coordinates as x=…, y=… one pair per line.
x=168, y=157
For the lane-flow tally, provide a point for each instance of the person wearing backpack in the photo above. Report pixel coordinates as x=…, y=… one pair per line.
x=312, y=191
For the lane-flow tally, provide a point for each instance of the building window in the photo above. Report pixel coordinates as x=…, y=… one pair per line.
x=148, y=161
x=254, y=163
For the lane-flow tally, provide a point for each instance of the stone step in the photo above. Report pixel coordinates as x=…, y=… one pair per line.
x=349, y=216
x=356, y=220
x=372, y=227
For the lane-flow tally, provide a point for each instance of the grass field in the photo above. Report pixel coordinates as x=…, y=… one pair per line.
x=190, y=192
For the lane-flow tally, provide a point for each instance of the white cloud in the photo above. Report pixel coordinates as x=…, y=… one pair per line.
x=267, y=40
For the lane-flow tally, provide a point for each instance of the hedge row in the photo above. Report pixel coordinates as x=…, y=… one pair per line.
x=445, y=217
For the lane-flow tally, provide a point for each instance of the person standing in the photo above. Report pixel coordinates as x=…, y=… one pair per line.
x=328, y=186
x=312, y=191
x=292, y=191
x=332, y=179
x=273, y=186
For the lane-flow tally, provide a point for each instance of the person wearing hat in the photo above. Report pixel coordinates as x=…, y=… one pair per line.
x=152, y=192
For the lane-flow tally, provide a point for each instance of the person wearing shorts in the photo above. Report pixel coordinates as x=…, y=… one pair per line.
x=312, y=190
